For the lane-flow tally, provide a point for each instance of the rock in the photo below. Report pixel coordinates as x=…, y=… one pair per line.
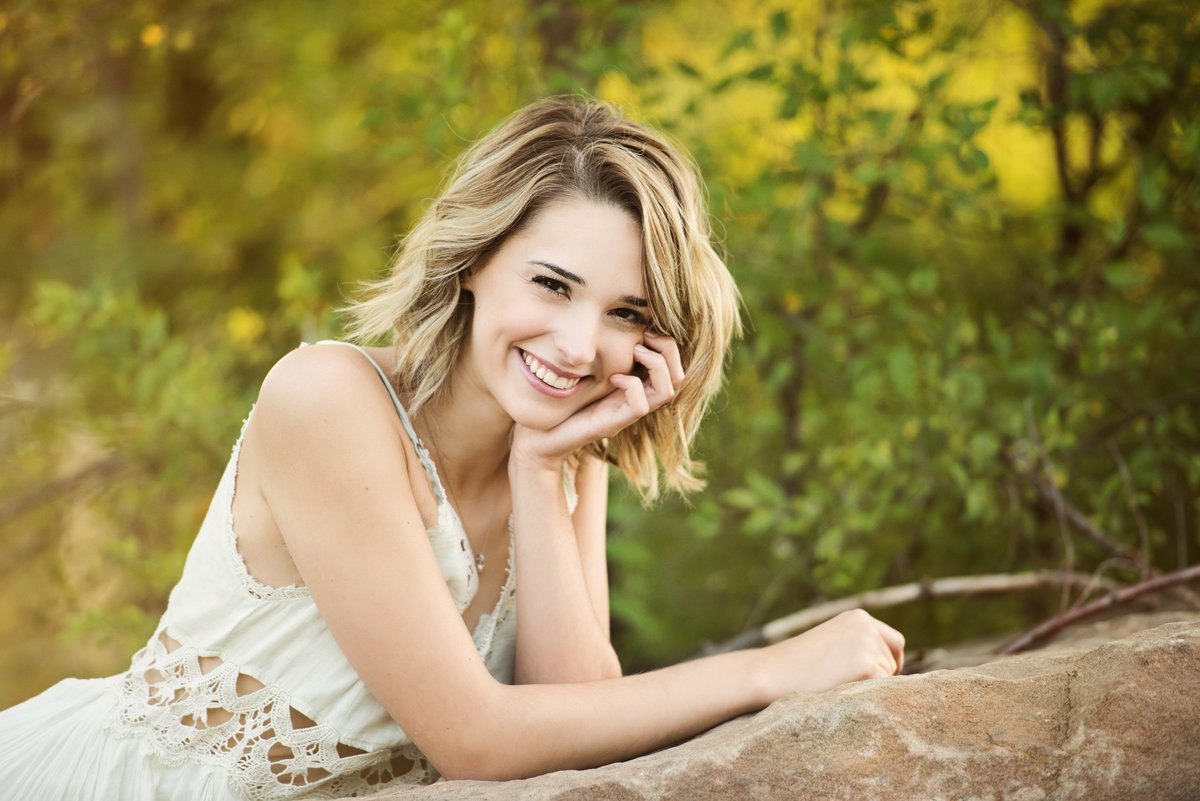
x=1119, y=720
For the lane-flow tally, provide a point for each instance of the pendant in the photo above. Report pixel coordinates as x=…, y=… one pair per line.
x=480, y=560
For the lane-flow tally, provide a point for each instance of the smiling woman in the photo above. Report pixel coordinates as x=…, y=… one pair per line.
x=339, y=626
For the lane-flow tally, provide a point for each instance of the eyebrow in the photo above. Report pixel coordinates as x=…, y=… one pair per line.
x=632, y=300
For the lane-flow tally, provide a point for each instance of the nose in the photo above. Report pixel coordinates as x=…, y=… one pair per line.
x=576, y=341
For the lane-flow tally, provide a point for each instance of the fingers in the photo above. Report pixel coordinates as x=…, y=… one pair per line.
x=883, y=645
x=669, y=349
x=895, y=644
x=635, y=395
x=664, y=369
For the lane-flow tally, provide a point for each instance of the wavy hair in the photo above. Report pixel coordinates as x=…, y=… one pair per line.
x=553, y=150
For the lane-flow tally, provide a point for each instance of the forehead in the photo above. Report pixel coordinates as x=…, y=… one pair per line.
x=598, y=241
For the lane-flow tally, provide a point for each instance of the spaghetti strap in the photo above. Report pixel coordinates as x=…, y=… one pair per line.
x=422, y=451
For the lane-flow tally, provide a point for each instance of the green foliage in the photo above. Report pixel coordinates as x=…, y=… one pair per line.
x=919, y=343
x=187, y=190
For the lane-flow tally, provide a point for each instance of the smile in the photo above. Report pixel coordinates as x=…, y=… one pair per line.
x=548, y=377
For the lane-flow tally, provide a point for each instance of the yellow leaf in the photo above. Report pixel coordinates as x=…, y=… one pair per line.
x=244, y=326
x=153, y=34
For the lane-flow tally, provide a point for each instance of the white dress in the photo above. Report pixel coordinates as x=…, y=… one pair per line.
x=256, y=702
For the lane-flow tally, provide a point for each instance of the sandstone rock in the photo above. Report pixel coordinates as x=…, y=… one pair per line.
x=1120, y=720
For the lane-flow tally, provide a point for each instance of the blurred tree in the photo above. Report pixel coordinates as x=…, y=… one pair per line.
x=187, y=191
x=965, y=235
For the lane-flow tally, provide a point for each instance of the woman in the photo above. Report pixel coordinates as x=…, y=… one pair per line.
x=559, y=308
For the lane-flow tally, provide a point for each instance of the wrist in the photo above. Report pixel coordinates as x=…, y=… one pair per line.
x=524, y=464
x=759, y=671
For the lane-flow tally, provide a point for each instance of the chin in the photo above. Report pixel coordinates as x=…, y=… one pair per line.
x=540, y=420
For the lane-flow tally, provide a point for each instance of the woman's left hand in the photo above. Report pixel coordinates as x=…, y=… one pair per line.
x=631, y=399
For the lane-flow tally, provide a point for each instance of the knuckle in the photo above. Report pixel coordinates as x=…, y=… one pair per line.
x=865, y=667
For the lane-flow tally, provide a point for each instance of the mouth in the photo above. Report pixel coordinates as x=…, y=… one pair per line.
x=548, y=380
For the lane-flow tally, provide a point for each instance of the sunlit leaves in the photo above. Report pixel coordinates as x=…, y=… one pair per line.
x=190, y=188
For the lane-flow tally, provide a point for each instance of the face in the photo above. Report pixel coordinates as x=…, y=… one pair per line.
x=558, y=309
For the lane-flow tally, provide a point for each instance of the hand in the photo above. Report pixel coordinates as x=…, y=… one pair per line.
x=631, y=399
x=851, y=647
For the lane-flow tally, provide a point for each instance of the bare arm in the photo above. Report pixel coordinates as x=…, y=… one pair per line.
x=338, y=485
x=562, y=609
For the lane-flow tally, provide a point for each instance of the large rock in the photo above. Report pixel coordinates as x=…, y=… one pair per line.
x=1119, y=720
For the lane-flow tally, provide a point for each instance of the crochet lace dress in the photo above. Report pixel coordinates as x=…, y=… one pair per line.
x=241, y=693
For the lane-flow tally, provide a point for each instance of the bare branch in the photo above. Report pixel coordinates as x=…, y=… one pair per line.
x=1121, y=596
x=994, y=584
x=1049, y=493
x=1131, y=501
x=15, y=507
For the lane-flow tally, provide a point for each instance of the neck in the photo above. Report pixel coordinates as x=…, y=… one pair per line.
x=469, y=435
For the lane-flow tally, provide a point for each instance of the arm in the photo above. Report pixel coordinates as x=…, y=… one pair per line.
x=562, y=606
x=337, y=484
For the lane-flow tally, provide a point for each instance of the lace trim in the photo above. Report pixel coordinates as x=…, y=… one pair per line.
x=253, y=587
x=192, y=707
x=489, y=623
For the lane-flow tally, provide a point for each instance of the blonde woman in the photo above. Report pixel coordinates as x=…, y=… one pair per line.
x=402, y=572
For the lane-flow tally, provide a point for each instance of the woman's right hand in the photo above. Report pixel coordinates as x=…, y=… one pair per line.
x=656, y=376
x=850, y=647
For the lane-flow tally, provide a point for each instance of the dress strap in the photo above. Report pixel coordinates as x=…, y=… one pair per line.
x=422, y=451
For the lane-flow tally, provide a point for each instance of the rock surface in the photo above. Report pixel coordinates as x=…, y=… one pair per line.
x=1080, y=720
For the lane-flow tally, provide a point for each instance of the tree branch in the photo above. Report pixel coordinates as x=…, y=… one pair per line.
x=15, y=507
x=1049, y=493
x=887, y=597
x=1121, y=596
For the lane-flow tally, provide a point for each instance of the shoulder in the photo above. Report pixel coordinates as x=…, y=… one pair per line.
x=316, y=373
x=321, y=392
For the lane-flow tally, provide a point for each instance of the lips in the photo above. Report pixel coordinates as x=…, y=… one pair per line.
x=546, y=379
x=547, y=375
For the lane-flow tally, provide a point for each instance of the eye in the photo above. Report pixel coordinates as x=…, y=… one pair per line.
x=631, y=316
x=552, y=285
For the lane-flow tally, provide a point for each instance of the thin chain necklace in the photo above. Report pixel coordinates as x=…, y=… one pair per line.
x=481, y=554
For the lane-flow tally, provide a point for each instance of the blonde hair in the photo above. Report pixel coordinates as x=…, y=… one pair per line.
x=552, y=150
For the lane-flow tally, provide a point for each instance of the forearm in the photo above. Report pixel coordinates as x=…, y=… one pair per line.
x=560, y=634
x=528, y=730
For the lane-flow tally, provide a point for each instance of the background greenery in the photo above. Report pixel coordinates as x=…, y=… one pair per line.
x=966, y=234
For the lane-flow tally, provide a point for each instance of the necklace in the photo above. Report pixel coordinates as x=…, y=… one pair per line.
x=481, y=554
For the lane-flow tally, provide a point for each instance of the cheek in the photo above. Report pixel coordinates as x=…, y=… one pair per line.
x=618, y=353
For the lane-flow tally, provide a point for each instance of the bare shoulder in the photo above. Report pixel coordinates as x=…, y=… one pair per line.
x=327, y=402
x=310, y=378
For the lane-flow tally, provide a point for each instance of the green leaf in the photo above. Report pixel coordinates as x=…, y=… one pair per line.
x=780, y=24
x=761, y=72
x=741, y=40
x=1164, y=236
x=984, y=446
x=924, y=282
x=1123, y=275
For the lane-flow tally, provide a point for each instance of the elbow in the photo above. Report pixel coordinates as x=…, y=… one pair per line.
x=465, y=767
x=480, y=761
x=481, y=747
x=600, y=666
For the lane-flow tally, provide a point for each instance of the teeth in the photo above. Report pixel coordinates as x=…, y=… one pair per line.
x=547, y=375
